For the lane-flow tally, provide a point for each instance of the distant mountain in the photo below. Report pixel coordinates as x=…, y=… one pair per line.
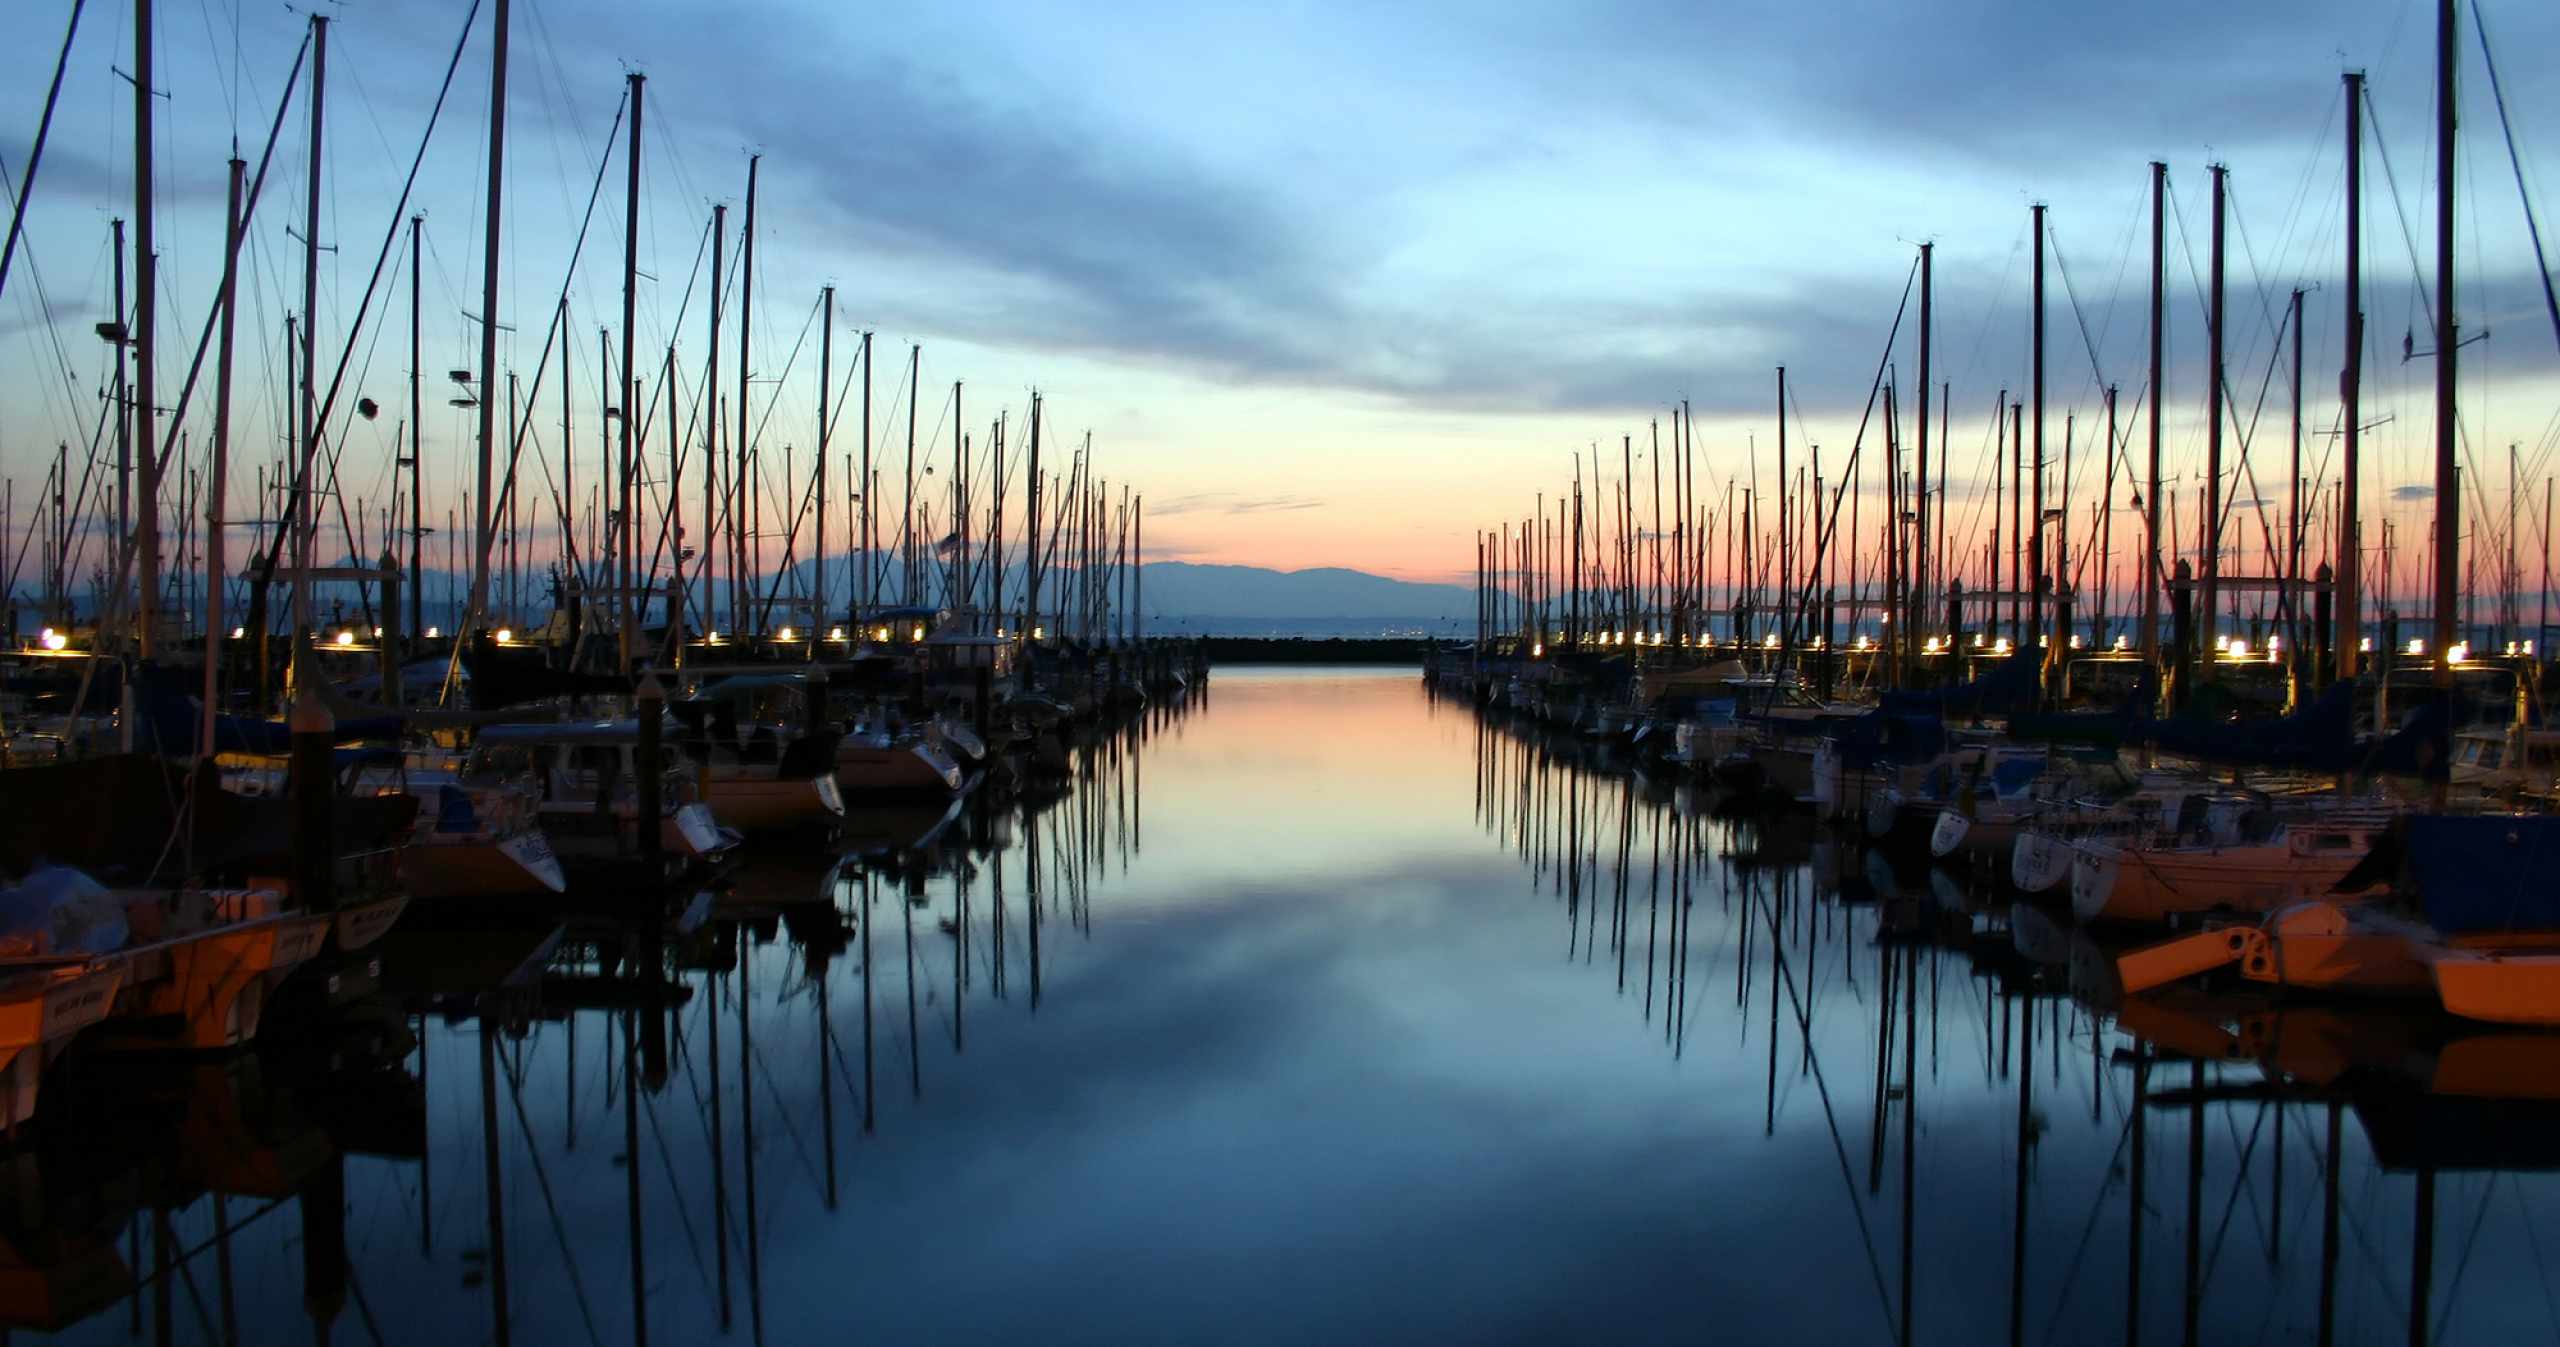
x=1177, y=596
x=1318, y=601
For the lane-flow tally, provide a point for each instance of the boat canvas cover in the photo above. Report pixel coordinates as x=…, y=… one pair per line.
x=2484, y=874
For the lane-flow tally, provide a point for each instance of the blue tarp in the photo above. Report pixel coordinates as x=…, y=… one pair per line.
x=2486, y=873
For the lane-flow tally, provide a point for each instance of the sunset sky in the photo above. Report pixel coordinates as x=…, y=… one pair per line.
x=1330, y=285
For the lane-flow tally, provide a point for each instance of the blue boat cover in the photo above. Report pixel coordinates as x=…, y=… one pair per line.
x=2486, y=873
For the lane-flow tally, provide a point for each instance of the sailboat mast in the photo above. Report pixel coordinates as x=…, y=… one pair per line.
x=2350, y=609
x=214, y=560
x=2210, y=618
x=145, y=319
x=826, y=379
x=742, y=564
x=2448, y=342
x=907, y=519
x=1916, y=581
x=625, y=610
x=708, y=549
x=417, y=437
x=310, y=435
x=487, y=392
x=2151, y=561
x=2037, y=580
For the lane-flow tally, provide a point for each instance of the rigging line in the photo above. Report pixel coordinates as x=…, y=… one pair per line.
x=2470, y=1245
x=35, y=157
x=2533, y=226
x=485, y=544
x=1804, y=1024
x=2382, y=147
x=559, y=1232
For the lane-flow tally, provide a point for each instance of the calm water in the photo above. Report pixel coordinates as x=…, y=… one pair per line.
x=1314, y=1011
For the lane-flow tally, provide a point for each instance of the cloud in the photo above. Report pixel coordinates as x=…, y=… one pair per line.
x=2413, y=491
x=1228, y=502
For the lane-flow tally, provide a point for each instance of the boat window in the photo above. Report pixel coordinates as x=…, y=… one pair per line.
x=2489, y=755
x=2331, y=842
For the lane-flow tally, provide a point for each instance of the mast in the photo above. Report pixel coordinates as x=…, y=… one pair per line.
x=417, y=445
x=2293, y=497
x=626, y=611
x=678, y=596
x=1031, y=531
x=2448, y=341
x=2151, y=569
x=213, y=552
x=1786, y=538
x=741, y=568
x=145, y=318
x=1916, y=585
x=709, y=547
x=907, y=521
x=2349, y=604
x=309, y=447
x=488, y=398
x=826, y=377
x=957, y=586
x=2037, y=581
x=2209, y=619
x=870, y=534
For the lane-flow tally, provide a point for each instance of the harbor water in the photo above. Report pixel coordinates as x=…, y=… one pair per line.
x=1314, y=1009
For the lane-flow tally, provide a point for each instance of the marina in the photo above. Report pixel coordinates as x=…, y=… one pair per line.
x=2017, y=802
x=1622, y=1065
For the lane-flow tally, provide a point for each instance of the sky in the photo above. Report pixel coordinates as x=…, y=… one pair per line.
x=1328, y=285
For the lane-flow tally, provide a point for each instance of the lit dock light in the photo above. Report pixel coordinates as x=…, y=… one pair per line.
x=346, y=636
x=2417, y=647
x=432, y=632
x=783, y=635
x=835, y=633
x=53, y=640
x=2461, y=651
x=239, y=633
x=2001, y=646
x=506, y=635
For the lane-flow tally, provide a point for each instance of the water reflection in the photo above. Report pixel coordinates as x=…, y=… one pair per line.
x=2147, y=1186
x=1257, y=1025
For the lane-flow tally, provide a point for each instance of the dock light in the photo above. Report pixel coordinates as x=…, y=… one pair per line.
x=1769, y=642
x=377, y=633
x=710, y=636
x=2461, y=651
x=1039, y=633
x=836, y=633
x=432, y=632
x=2365, y=646
x=2001, y=646
x=2417, y=647
x=1817, y=643
x=1538, y=650
x=2075, y=641
x=54, y=640
x=346, y=636
x=783, y=635
x=1866, y=643
x=1978, y=639
x=2511, y=647
x=2121, y=643
x=2238, y=649
x=239, y=633
x=919, y=632
x=2274, y=644
x=506, y=635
